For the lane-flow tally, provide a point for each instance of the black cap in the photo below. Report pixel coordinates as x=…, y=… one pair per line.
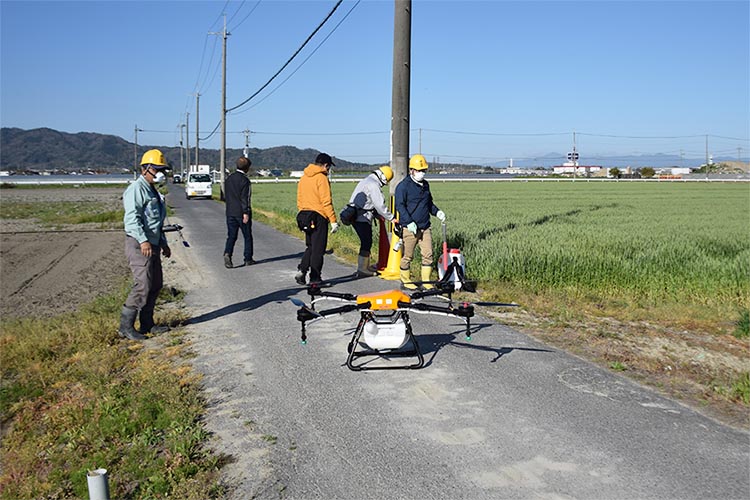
x=324, y=158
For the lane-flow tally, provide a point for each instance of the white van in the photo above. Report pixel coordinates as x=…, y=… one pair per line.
x=198, y=184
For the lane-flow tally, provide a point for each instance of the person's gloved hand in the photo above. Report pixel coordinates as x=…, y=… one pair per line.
x=440, y=215
x=412, y=226
x=334, y=227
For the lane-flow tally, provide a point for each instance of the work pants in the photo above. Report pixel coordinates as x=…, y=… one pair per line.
x=364, y=231
x=424, y=239
x=147, y=275
x=234, y=225
x=316, y=241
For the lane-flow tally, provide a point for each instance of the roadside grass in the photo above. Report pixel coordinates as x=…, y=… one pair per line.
x=75, y=397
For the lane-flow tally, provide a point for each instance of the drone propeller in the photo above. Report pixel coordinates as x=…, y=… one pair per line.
x=495, y=304
x=297, y=302
x=304, y=313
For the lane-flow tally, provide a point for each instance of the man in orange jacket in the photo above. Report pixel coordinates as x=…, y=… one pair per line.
x=315, y=212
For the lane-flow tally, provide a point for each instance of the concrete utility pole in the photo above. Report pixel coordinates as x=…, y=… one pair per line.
x=223, y=153
x=246, y=152
x=182, y=153
x=401, y=92
x=187, y=140
x=706, y=156
x=136, y=170
x=575, y=157
x=197, y=128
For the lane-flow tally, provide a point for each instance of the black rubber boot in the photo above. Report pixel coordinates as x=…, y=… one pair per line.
x=127, y=320
x=146, y=317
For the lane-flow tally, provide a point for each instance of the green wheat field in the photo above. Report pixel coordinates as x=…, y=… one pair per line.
x=628, y=242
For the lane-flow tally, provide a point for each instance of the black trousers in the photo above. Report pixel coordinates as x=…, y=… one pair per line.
x=234, y=225
x=364, y=231
x=316, y=240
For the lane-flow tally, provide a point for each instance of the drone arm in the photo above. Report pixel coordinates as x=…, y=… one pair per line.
x=315, y=291
x=441, y=289
x=344, y=309
x=464, y=311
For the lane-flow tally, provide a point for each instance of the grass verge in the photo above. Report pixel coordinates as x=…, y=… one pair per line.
x=75, y=397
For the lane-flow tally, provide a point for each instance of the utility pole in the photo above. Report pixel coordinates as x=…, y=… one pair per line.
x=135, y=153
x=400, y=92
x=187, y=141
x=246, y=152
x=706, y=156
x=197, y=128
x=575, y=157
x=182, y=154
x=223, y=153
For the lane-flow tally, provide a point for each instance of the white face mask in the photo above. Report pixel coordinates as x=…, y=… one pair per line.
x=159, y=178
x=418, y=176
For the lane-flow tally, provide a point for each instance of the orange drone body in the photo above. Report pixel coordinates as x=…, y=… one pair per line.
x=381, y=301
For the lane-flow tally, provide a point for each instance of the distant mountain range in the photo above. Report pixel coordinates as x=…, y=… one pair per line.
x=46, y=149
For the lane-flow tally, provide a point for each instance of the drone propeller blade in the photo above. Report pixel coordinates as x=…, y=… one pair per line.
x=304, y=313
x=297, y=302
x=495, y=304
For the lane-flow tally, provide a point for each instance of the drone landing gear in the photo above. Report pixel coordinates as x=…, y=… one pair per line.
x=383, y=337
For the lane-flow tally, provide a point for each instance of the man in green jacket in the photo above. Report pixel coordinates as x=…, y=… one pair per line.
x=145, y=212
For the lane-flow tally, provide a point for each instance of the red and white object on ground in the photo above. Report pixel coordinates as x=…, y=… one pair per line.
x=449, y=256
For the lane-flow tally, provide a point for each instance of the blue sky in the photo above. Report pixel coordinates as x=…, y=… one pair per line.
x=490, y=80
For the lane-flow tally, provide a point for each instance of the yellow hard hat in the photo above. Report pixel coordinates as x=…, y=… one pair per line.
x=154, y=157
x=387, y=172
x=418, y=162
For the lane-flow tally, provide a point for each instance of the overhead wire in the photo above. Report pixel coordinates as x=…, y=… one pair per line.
x=283, y=67
x=303, y=62
x=208, y=68
x=248, y=14
x=290, y=59
x=236, y=11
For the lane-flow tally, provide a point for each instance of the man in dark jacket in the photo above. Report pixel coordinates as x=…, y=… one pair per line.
x=237, y=194
x=415, y=206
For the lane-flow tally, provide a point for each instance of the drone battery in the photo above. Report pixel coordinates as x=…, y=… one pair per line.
x=385, y=335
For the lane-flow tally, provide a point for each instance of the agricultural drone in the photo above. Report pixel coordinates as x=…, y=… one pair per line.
x=384, y=329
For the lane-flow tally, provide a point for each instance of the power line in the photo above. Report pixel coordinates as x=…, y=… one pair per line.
x=290, y=59
x=643, y=136
x=244, y=18
x=208, y=68
x=492, y=133
x=303, y=62
x=236, y=11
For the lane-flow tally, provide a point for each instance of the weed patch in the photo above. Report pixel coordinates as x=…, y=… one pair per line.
x=75, y=397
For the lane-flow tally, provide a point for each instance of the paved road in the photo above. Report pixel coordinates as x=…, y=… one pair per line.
x=502, y=416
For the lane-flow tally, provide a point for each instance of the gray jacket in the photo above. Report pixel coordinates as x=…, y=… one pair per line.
x=368, y=197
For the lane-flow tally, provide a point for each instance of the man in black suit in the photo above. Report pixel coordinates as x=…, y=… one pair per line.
x=237, y=194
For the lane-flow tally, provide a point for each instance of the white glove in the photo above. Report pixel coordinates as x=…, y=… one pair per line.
x=440, y=215
x=412, y=226
x=334, y=227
